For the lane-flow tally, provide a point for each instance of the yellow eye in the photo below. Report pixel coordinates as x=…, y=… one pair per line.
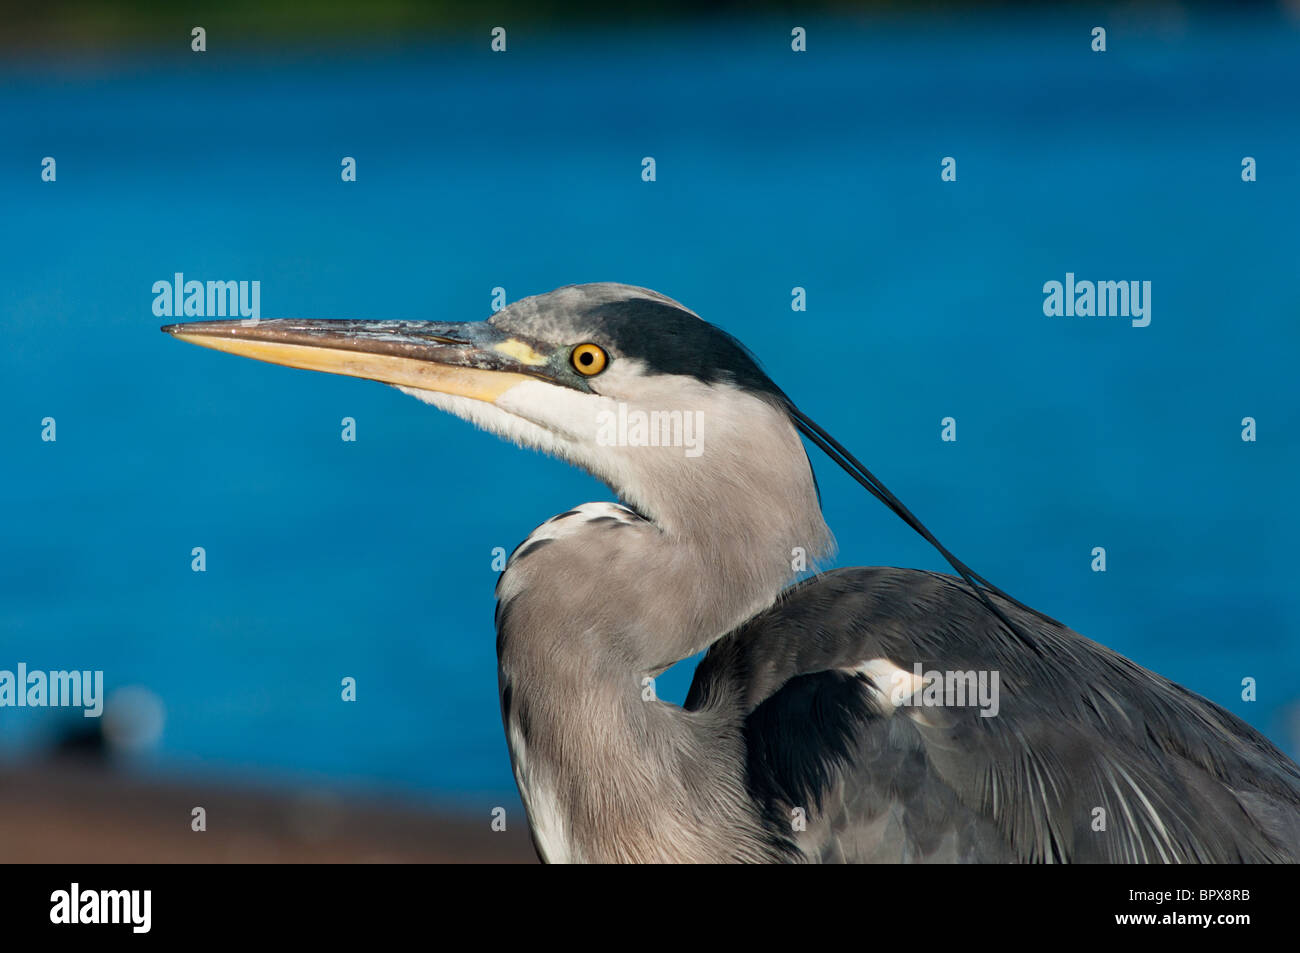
x=589, y=359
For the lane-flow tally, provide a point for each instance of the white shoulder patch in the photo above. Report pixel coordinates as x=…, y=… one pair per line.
x=566, y=524
x=895, y=685
x=559, y=527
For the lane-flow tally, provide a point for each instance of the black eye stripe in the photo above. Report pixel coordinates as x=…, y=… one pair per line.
x=669, y=340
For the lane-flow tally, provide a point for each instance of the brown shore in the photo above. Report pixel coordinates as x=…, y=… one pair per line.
x=72, y=813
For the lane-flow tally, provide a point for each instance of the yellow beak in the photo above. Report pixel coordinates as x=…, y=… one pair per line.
x=474, y=360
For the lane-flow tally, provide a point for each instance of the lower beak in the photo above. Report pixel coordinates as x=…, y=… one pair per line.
x=473, y=360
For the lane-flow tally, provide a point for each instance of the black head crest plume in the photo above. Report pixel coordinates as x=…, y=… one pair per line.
x=851, y=465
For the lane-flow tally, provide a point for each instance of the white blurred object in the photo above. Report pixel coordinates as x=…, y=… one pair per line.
x=133, y=719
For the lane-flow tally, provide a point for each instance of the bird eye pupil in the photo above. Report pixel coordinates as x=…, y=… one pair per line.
x=589, y=359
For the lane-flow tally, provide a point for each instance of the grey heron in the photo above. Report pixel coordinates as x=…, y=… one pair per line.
x=813, y=729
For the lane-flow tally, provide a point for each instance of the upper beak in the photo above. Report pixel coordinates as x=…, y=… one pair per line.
x=473, y=360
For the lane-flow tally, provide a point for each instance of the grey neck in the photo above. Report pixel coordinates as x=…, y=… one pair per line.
x=594, y=605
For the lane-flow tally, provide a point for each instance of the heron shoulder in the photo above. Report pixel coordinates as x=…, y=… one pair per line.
x=576, y=523
x=830, y=681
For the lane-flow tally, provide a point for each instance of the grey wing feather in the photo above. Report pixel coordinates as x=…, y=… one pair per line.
x=1090, y=758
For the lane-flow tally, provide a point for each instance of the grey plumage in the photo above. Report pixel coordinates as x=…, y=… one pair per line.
x=800, y=739
x=1079, y=728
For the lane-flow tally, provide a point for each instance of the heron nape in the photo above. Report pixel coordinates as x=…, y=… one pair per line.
x=831, y=718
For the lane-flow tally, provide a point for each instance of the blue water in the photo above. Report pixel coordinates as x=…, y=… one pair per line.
x=372, y=559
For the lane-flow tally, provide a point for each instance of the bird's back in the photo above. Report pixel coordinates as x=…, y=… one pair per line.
x=1048, y=747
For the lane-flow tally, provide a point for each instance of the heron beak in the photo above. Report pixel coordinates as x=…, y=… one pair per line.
x=474, y=360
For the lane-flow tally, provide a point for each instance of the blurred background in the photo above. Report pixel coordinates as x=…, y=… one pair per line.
x=522, y=169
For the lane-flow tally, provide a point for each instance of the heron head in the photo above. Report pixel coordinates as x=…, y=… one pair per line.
x=668, y=410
